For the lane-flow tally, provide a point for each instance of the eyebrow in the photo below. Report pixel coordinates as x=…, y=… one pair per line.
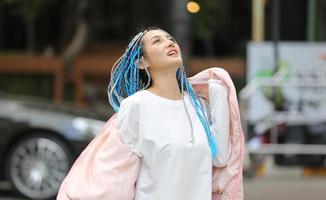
x=157, y=36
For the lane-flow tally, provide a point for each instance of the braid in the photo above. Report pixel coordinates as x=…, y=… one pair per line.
x=127, y=78
x=125, y=73
x=199, y=108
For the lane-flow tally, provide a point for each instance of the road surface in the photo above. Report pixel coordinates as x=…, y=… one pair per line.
x=263, y=188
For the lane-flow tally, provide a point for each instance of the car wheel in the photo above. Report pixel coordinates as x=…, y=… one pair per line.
x=37, y=165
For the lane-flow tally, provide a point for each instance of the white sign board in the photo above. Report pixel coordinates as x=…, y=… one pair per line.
x=309, y=57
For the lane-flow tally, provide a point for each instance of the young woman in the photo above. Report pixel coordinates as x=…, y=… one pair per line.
x=172, y=138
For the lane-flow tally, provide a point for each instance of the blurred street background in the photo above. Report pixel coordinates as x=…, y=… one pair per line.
x=55, y=63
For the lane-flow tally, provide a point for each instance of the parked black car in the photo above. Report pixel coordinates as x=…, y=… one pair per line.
x=39, y=141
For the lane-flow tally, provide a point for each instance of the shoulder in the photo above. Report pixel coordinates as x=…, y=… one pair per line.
x=133, y=101
x=129, y=111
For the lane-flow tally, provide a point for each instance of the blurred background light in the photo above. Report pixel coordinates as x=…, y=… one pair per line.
x=193, y=7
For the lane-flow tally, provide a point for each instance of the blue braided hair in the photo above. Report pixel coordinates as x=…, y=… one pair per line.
x=127, y=78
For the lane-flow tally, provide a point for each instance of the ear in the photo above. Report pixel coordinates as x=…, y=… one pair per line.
x=143, y=63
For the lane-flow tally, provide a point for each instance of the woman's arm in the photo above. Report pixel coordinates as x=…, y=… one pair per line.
x=106, y=170
x=227, y=182
x=220, y=118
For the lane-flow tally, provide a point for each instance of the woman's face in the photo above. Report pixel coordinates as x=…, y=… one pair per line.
x=160, y=50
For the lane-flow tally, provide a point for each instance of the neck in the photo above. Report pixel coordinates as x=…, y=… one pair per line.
x=165, y=84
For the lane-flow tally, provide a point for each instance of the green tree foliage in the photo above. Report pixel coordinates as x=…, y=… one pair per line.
x=208, y=18
x=28, y=10
x=207, y=21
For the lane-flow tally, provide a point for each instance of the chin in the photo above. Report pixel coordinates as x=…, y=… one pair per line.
x=171, y=63
x=177, y=63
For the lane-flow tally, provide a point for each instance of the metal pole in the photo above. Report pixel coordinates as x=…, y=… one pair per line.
x=180, y=27
x=311, y=26
x=276, y=30
x=258, y=19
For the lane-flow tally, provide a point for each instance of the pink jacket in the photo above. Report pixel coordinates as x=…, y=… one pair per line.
x=108, y=169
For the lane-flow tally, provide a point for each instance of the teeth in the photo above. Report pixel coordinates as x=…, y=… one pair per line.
x=172, y=52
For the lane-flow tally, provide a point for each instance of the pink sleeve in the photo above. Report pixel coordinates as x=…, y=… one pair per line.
x=106, y=169
x=227, y=181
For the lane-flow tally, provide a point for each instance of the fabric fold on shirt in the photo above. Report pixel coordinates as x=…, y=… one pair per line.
x=108, y=168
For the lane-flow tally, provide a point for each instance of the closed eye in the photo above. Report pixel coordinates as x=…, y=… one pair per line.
x=156, y=41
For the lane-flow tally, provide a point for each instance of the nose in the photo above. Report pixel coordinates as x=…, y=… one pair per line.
x=170, y=43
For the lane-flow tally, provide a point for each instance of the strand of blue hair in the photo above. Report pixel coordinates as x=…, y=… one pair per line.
x=200, y=110
x=125, y=81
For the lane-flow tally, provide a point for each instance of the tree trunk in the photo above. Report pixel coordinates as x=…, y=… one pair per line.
x=1, y=32
x=30, y=36
x=76, y=45
x=79, y=39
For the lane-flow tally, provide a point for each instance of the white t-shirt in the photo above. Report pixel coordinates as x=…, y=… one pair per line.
x=173, y=167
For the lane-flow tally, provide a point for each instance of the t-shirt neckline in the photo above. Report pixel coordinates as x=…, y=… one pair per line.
x=164, y=99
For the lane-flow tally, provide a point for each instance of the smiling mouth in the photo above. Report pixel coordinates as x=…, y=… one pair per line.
x=172, y=53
